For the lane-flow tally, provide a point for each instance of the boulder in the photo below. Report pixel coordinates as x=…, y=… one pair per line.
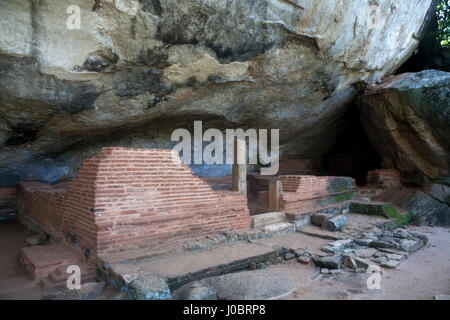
x=329, y=262
x=318, y=219
x=338, y=246
x=335, y=223
x=349, y=262
x=131, y=75
x=149, y=287
x=407, y=120
x=427, y=210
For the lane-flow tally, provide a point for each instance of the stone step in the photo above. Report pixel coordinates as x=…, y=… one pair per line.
x=41, y=260
x=371, y=207
x=264, y=219
x=183, y=267
x=278, y=227
x=88, y=273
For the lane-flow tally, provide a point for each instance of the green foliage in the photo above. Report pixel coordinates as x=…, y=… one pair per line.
x=399, y=220
x=443, y=20
x=343, y=197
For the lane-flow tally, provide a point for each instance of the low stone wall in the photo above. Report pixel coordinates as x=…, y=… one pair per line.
x=127, y=199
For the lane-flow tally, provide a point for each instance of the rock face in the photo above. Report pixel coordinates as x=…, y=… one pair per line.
x=407, y=119
x=136, y=70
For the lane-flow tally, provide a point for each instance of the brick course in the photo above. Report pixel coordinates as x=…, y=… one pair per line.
x=302, y=193
x=129, y=199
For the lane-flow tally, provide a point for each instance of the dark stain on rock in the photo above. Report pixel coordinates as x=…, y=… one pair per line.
x=34, y=15
x=133, y=27
x=152, y=6
x=21, y=136
x=211, y=28
x=153, y=58
x=100, y=60
x=137, y=81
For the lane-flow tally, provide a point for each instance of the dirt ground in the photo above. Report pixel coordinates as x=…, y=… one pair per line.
x=423, y=275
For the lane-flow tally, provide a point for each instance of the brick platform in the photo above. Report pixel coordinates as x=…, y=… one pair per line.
x=130, y=199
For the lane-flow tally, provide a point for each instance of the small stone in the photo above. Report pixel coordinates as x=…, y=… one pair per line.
x=335, y=271
x=392, y=264
x=304, y=259
x=329, y=262
x=324, y=271
x=289, y=256
x=381, y=260
x=365, y=253
x=337, y=246
x=362, y=263
x=252, y=266
x=410, y=245
x=261, y=266
x=364, y=242
x=301, y=252
x=393, y=256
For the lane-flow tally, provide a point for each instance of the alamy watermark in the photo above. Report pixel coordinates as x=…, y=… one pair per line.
x=374, y=280
x=251, y=144
x=74, y=280
x=131, y=7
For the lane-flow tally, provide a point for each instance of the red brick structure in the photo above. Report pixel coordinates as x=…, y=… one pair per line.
x=129, y=199
x=384, y=178
x=301, y=193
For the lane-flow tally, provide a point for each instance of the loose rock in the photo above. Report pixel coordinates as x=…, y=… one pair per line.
x=318, y=219
x=149, y=287
x=329, y=262
x=335, y=223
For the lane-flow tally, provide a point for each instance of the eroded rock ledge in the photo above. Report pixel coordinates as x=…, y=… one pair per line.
x=129, y=77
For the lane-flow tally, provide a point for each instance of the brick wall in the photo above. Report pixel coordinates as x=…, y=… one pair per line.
x=126, y=199
x=301, y=193
x=384, y=178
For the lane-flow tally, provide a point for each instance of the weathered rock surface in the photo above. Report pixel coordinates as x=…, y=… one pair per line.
x=88, y=291
x=428, y=210
x=407, y=119
x=195, y=291
x=132, y=74
x=335, y=223
x=149, y=287
x=329, y=262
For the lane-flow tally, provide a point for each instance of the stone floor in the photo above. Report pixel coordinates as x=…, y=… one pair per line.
x=422, y=276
